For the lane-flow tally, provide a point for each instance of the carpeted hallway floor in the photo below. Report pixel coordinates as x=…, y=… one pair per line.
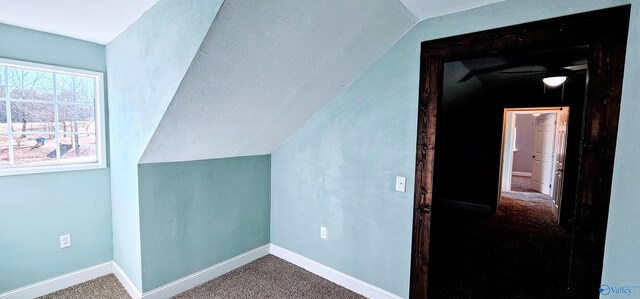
x=267, y=277
x=519, y=252
x=522, y=184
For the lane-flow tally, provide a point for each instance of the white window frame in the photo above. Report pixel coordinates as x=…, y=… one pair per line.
x=101, y=151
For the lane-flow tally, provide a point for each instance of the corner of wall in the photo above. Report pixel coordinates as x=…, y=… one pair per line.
x=145, y=65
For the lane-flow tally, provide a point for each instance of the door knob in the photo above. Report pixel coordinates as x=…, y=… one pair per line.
x=534, y=156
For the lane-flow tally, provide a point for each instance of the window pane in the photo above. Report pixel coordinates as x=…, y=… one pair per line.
x=32, y=117
x=3, y=88
x=75, y=89
x=3, y=117
x=85, y=90
x=78, y=148
x=4, y=149
x=76, y=118
x=64, y=87
x=34, y=149
x=30, y=84
x=47, y=116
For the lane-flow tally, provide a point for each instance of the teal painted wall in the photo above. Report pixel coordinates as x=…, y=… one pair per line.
x=339, y=169
x=36, y=209
x=197, y=214
x=40, y=47
x=146, y=63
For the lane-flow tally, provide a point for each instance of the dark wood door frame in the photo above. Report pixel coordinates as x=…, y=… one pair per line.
x=605, y=31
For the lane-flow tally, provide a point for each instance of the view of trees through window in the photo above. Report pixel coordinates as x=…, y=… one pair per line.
x=46, y=117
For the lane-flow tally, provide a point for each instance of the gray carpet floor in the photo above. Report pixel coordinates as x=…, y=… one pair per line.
x=105, y=287
x=522, y=184
x=267, y=277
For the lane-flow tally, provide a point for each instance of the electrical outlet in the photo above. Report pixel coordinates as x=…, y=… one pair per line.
x=323, y=232
x=65, y=241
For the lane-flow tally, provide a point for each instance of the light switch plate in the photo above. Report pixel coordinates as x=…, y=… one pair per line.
x=401, y=184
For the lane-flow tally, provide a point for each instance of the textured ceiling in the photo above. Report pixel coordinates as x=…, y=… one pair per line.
x=424, y=9
x=97, y=21
x=265, y=67
x=101, y=21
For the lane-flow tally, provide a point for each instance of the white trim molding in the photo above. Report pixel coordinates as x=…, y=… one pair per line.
x=519, y=173
x=125, y=281
x=337, y=277
x=58, y=283
x=200, y=277
x=193, y=280
x=166, y=291
x=58, y=165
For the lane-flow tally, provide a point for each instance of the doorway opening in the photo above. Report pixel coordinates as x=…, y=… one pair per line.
x=446, y=177
x=534, y=147
x=511, y=240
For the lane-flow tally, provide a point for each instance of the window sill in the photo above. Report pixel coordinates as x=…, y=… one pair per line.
x=50, y=169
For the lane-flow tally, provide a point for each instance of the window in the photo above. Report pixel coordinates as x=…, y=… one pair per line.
x=50, y=118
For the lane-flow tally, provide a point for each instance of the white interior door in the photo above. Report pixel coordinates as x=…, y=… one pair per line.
x=560, y=153
x=509, y=145
x=543, y=157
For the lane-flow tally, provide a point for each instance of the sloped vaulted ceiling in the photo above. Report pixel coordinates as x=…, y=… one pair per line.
x=265, y=67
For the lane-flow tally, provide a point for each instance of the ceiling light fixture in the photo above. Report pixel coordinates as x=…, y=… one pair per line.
x=554, y=81
x=535, y=114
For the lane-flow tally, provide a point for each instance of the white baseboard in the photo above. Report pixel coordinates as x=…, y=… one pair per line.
x=58, y=283
x=125, y=281
x=200, y=277
x=519, y=173
x=349, y=282
x=166, y=291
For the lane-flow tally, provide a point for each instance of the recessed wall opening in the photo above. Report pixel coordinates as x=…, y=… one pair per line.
x=494, y=182
x=470, y=240
x=534, y=143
